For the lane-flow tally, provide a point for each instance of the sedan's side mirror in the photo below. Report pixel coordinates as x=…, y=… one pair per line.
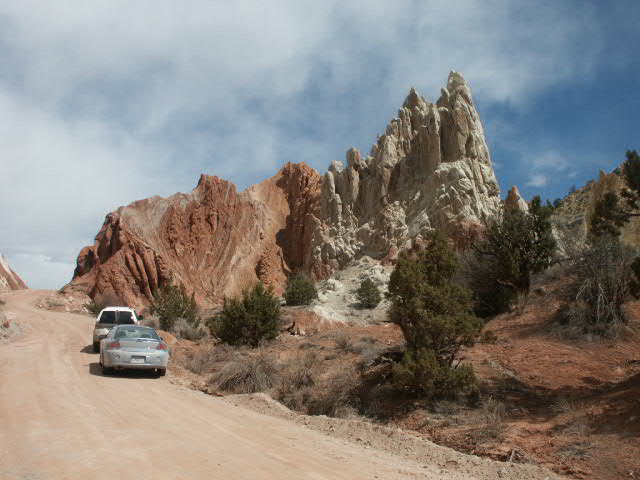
x=162, y=338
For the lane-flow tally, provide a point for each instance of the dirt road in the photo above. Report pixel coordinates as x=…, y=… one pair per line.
x=60, y=418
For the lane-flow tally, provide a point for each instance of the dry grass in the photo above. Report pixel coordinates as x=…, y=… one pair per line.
x=183, y=329
x=245, y=374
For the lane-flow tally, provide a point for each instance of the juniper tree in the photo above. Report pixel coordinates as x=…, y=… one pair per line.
x=249, y=319
x=434, y=314
x=368, y=294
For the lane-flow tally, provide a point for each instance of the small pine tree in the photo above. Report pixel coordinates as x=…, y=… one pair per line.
x=368, y=294
x=249, y=320
x=516, y=246
x=171, y=302
x=300, y=290
x=434, y=314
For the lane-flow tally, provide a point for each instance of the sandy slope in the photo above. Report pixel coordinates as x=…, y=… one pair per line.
x=60, y=418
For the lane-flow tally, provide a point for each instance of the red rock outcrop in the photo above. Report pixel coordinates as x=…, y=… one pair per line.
x=9, y=280
x=215, y=240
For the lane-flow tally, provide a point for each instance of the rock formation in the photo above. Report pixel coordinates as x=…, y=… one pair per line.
x=9, y=280
x=431, y=169
x=572, y=219
x=213, y=240
x=514, y=201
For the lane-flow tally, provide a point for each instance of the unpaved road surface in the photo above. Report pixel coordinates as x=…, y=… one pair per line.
x=60, y=418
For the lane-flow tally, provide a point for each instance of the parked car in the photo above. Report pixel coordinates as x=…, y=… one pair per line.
x=133, y=346
x=109, y=317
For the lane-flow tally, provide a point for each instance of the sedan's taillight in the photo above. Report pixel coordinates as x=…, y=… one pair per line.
x=113, y=345
x=161, y=346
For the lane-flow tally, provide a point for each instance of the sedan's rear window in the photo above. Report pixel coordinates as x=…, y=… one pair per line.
x=136, y=332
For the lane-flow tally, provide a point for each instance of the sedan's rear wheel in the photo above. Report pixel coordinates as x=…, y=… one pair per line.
x=161, y=372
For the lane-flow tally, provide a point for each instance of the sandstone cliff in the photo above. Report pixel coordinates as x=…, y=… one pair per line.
x=430, y=169
x=572, y=219
x=214, y=240
x=9, y=280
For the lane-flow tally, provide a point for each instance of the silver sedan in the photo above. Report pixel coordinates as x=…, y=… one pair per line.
x=133, y=346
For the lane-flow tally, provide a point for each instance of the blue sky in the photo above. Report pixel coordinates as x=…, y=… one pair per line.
x=109, y=101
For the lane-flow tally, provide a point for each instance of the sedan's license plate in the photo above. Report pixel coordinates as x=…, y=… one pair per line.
x=137, y=359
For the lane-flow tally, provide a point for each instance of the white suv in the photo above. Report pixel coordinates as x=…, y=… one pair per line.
x=109, y=317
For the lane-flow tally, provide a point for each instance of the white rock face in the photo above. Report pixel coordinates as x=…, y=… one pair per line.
x=514, y=201
x=337, y=299
x=431, y=169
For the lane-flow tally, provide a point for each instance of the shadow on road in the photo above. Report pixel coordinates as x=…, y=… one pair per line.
x=87, y=349
x=96, y=369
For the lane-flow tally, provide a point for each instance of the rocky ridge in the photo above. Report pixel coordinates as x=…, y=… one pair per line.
x=9, y=280
x=430, y=169
x=214, y=240
x=572, y=218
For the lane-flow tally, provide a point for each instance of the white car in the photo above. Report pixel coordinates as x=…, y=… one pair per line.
x=136, y=347
x=108, y=318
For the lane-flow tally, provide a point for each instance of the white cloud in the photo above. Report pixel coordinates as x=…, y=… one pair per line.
x=538, y=180
x=109, y=101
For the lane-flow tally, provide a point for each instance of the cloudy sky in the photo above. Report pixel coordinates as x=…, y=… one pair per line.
x=107, y=101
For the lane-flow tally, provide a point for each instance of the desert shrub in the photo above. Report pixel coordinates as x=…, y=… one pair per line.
x=343, y=341
x=100, y=302
x=171, y=302
x=206, y=359
x=606, y=277
x=245, y=374
x=338, y=397
x=516, y=246
x=300, y=290
x=298, y=375
x=434, y=314
x=368, y=294
x=151, y=321
x=189, y=330
x=250, y=319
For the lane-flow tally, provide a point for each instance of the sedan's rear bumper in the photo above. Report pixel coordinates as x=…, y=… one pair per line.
x=138, y=360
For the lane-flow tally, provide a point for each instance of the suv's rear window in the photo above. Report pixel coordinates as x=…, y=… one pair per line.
x=108, y=317
x=124, y=317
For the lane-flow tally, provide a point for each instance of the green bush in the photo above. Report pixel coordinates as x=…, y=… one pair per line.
x=171, y=302
x=434, y=314
x=368, y=294
x=249, y=320
x=421, y=370
x=300, y=290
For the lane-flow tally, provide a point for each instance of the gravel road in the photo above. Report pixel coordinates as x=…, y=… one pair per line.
x=61, y=419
